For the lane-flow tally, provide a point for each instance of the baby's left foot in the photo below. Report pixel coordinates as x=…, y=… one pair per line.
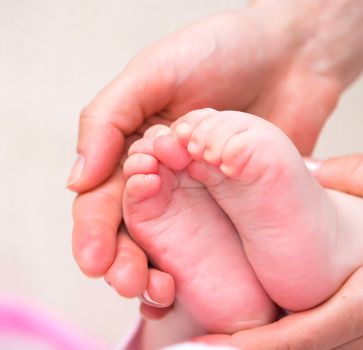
x=287, y=222
x=186, y=234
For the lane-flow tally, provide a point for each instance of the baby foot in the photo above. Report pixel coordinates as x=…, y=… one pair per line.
x=285, y=219
x=185, y=233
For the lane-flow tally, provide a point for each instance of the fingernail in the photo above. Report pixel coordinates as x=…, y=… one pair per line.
x=145, y=297
x=312, y=164
x=76, y=170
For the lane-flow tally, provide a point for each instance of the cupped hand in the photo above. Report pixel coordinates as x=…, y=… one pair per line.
x=231, y=61
x=129, y=273
x=336, y=324
x=344, y=173
x=246, y=60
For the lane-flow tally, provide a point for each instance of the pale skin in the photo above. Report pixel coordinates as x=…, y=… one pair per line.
x=336, y=324
x=186, y=233
x=256, y=175
x=122, y=106
x=311, y=237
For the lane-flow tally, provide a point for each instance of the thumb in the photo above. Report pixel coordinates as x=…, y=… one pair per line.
x=343, y=174
x=118, y=110
x=100, y=146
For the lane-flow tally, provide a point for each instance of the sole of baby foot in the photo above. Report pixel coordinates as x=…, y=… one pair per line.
x=186, y=234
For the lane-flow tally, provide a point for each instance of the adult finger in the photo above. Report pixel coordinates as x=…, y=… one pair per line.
x=159, y=296
x=152, y=313
x=160, y=290
x=97, y=215
x=131, y=277
x=328, y=326
x=121, y=107
x=353, y=345
x=128, y=274
x=342, y=173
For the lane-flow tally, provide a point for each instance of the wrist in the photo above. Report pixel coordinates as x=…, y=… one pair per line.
x=328, y=35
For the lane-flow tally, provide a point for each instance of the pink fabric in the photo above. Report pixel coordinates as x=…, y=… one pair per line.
x=19, y=319
x=132, y=340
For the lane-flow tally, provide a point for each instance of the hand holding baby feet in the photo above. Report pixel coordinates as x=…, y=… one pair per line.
x=186, y=234
x=131, y=276
x=288, y=224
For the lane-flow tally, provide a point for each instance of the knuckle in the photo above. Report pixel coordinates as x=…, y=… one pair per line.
x=356, y=163
x=114, y=120
x=356, y=171
x=297, y=343
x=85, y=111
x=97, y=210
x=106, y=200
x=96, y=229
x=102, y=200
x=354, y=315
x=298, y=338
x=89, y=112
x=302, y=343
x=129, y=248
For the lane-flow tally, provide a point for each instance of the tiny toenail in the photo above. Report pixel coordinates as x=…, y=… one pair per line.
x=162, y=132
x=148, y=178
x=193, y=147
x=226, y=170
x=145, y=297
x=183, y=129
x=208, y=156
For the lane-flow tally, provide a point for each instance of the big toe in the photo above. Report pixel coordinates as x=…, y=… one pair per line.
x=168, y=151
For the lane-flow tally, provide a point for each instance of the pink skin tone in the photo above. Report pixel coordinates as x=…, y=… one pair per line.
x=185, y=233
x=332, y=321
x=301, y=240
x=305, y=78
x=248, y=60
x=155, y=194
x=342, y=173
x=26, y=326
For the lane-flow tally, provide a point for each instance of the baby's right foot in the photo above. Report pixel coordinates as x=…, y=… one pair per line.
x=287, y=222
x=185, y=233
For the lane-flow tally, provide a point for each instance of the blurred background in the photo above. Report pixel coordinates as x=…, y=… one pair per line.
x=54, y=57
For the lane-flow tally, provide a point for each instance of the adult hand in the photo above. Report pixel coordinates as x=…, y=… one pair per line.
x=280, y=67
x=336, y=324
x=130, y=274
x=343, y=174
x=131, y=277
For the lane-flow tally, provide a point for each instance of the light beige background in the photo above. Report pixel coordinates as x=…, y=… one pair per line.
x=54, y=57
